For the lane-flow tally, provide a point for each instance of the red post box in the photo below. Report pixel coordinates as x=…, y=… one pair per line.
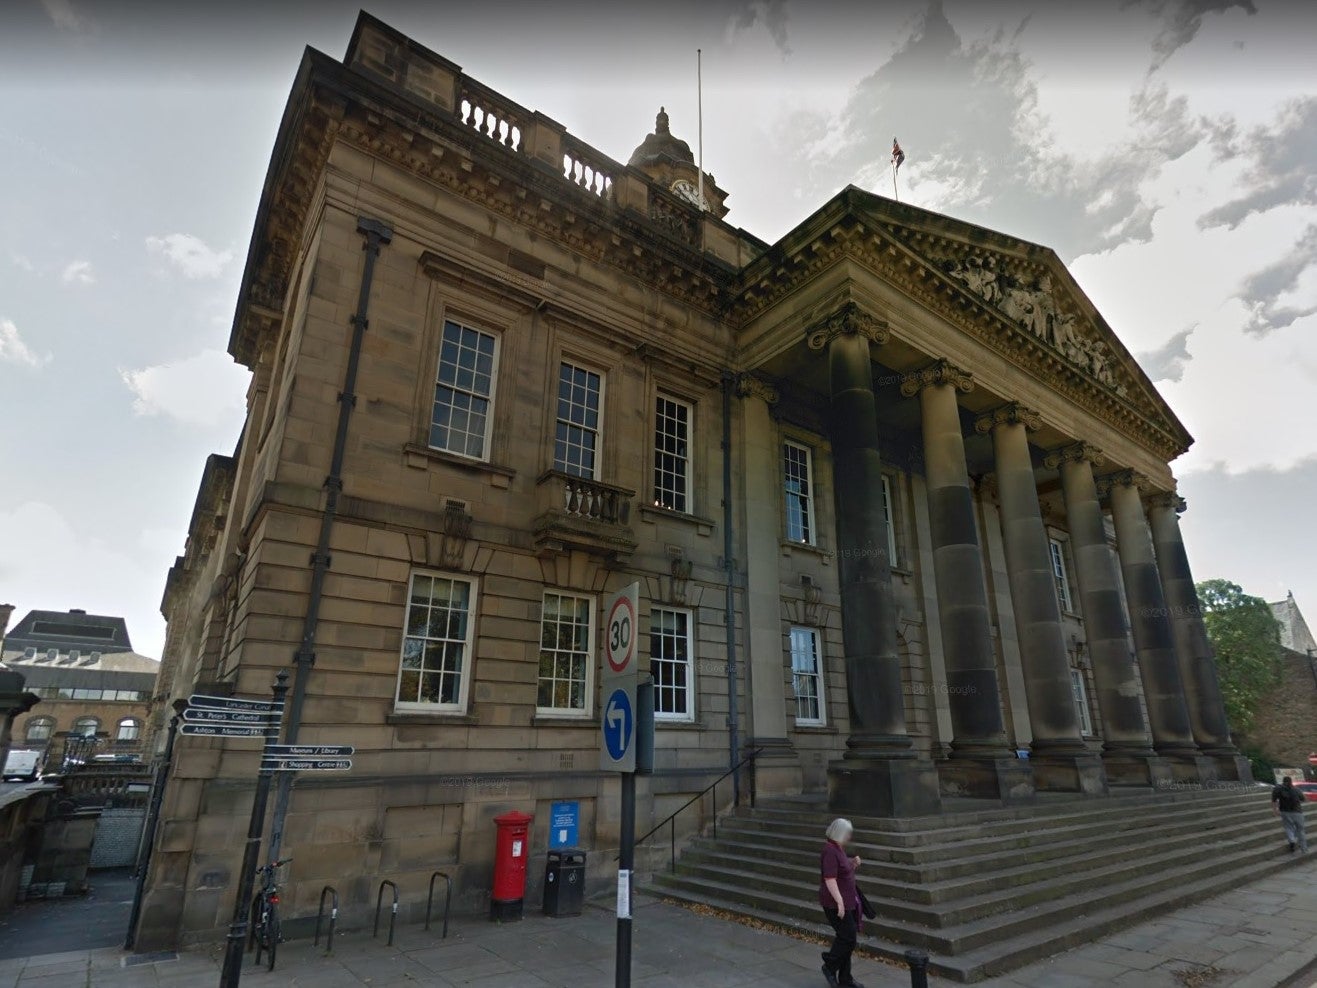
x=511, y=850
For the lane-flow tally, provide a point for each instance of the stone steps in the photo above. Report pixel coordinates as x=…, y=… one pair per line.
x=1068, y=873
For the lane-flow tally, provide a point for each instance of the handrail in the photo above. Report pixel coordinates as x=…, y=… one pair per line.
x=333, y=918
x=448, y=899
x=671, y=821
x=393, y=916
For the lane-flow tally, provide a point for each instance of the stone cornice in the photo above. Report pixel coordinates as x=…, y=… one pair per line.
x=1012, y=413
x=752, y=386
x=940, y=371
x=849, y=319
x=1074, y=453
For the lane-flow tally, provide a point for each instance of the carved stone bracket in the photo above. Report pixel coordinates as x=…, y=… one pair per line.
x=848, y=319
x=681, y=575
x=1012, y=413
x=1074, y=453
x=750, y=386
x=938, y=372
x=457, y=529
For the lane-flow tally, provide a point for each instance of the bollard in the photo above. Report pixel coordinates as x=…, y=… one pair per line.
x=918, y=961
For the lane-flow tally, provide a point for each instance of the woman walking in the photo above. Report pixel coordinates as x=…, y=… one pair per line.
x=840, y=900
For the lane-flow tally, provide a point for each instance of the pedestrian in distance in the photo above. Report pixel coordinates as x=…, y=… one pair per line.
x=841, y=901
x=1288, y=802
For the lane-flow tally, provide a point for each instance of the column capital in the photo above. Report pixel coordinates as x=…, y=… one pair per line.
x=940, y=371
x=1074, y=453
x=845, y=320
x=751, y=386
x=1123, y=478
x=1012, y=413
x=1166, y=499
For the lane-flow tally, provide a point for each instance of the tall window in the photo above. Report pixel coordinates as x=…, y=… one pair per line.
x=565, y=654
x=670, y=658
x=464, y=391
x=1061, y=574
x=129, y=729
x=40, y=729
x=807, y=676
x=86, y=727
x=890, y=517
x=672, y=428
x=797, y=470
x=1080, y=692
x=576, y=437
x=437, y=643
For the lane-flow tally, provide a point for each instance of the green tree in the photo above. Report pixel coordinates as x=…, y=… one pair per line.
x=1246, y=638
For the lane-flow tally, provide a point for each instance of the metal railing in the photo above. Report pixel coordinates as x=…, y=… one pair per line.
x=671, y=821
x=393, y=915
x=448, y=900
x=333, y=918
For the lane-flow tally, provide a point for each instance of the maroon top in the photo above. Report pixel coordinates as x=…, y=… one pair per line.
x=833, y=863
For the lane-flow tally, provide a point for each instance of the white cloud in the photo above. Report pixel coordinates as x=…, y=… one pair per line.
x=13, y=350
x=65, y=16
x=22, y=263
x=78, y=273
x=206, y=390
x=191, y=255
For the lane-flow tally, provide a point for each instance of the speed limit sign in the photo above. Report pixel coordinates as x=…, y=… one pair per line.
x=620, y=632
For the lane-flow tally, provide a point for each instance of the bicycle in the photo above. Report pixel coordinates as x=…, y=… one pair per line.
x=265, y=913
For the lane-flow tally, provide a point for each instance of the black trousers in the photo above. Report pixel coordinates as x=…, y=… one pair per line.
x=846, y=930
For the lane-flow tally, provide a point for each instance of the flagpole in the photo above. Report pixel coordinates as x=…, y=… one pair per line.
x=894, y=193
x=699, y=112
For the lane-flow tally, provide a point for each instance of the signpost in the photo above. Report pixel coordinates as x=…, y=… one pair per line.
x=617, y=749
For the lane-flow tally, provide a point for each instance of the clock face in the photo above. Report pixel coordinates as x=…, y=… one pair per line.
x=690, y=193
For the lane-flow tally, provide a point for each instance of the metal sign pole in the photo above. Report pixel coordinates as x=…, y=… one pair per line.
x=626, y=859
x=232, y=970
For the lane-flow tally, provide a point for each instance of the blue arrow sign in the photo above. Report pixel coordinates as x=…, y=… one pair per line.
x=619, y=725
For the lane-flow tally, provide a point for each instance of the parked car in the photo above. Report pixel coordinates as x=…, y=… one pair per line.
x=22, y=765
x=1309, y=790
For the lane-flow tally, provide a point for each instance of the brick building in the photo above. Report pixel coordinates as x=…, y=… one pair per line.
x=498, y=375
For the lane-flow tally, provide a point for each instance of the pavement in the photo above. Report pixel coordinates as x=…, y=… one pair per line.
x=1263, y=935
x=97, y=919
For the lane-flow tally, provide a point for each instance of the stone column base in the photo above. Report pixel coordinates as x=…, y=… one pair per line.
x=777, y=770
x=1232, y=767
x=1081, y=774
x=1129, y=769
x=1007, y=779
x=1193, y=768
x=883, y=787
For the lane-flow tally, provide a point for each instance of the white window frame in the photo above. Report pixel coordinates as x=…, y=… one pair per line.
x=1056, y=549
x=687, y=458
x=491, y=398
x=43, y=721
x=890, y=513
x=85, y=720
x=818, y=676
x=468, y=653
x=565, y=361
x=568, y=713
x=1079, y=690
x=134, y=723
x=812, y=535
x=666, y=716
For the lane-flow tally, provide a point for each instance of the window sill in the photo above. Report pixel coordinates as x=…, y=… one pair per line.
x=563, y=720
x=418, y=456
x=677, y=725
x=407, y=718
x=816, y=550
x=652, y=513
x=816, y=729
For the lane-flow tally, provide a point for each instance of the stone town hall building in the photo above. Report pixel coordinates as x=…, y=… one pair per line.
x=951, y=517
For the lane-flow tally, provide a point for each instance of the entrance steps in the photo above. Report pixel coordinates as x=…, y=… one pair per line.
x=985, y=891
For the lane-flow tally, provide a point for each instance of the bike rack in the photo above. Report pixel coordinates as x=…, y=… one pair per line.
x=448, y=899
x=393, y=916
x=333, y=918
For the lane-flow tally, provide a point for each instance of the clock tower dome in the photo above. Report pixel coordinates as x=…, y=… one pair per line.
x=668, y=160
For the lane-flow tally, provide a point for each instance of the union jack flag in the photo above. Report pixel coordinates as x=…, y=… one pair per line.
x=898, y=156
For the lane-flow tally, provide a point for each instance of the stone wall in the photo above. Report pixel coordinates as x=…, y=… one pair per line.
x=1285, y=726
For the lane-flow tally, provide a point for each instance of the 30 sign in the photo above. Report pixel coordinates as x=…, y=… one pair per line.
x=617, y=724
x=620, y=631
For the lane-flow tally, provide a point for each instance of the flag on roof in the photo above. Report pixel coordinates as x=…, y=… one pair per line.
x=898, y=156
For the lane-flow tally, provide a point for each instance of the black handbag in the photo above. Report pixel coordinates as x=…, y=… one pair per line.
x=868, y=910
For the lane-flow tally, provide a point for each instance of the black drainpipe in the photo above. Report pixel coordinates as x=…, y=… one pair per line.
x=376, y=234
x=729, y=564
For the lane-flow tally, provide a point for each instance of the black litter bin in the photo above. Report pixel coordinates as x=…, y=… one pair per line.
x=564, y=882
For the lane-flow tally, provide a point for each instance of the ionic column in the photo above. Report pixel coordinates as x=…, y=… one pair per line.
x=980, y=762
x=1163, y=689
x=1127, y=751
x=880, y=773
x=1058, y=755
x=777, y=769
x=1202, y=689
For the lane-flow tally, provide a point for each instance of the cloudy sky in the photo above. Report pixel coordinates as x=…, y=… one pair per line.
x=1165, y=149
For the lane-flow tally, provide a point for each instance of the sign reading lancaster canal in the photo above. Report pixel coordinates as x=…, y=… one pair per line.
x=229, y=703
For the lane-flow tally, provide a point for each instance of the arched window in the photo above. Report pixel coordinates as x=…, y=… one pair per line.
x=40, y=729
x=130, y=729
x=86, y=726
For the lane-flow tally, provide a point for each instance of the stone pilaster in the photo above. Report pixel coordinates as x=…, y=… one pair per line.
x=1163, y=689
x=981, y=763
x=1202, y=689
x=1127, y=751
x=880, y=773
x=1059, y=758
x=777, y=770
